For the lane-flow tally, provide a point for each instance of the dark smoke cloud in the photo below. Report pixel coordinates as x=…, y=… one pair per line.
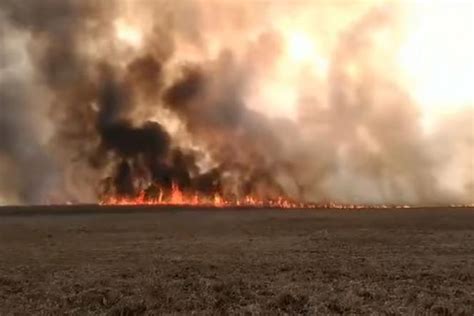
x=110, y=109
x=57, y=33
x=208, y=98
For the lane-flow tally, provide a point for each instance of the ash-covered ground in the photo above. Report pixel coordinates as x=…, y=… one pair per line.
x=84, y=261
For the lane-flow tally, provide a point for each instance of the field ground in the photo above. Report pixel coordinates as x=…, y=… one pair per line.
x=236, y=262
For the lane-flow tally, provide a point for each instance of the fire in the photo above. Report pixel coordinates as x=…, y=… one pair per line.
x=178, y=197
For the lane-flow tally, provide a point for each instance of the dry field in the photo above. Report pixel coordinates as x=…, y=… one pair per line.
x=82, y=262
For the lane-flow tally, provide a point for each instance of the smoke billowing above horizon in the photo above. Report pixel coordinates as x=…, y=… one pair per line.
x=352, y=102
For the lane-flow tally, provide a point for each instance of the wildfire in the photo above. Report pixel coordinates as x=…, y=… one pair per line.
x=178, y=197
x=411, y=42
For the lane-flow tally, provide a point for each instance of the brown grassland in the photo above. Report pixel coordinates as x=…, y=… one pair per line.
x=80, y=261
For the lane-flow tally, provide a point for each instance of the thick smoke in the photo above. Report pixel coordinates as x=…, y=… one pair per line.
x=97, y=108
x=25, y=168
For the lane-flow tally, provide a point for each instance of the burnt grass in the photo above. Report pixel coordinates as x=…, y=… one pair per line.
x=417, y=261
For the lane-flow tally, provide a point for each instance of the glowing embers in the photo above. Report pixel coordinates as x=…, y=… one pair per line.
x=178, y=197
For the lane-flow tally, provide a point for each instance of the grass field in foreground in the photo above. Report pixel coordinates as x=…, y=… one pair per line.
x=131, y=261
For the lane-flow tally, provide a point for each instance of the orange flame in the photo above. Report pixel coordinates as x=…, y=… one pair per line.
x=177, y=197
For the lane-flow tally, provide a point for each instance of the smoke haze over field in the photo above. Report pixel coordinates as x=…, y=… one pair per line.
x=354, y=102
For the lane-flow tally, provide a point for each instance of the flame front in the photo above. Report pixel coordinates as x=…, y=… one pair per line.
x=177, y=197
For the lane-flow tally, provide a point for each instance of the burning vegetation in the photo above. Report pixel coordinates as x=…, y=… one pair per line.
x=229, y=103
x=177, y=197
